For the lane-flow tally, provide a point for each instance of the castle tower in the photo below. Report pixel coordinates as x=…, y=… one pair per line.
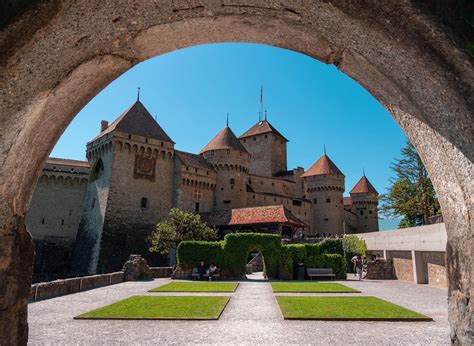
x=267, y=148
x=324, y=187
x=364, y=203
x=231, y=162
x=129, y=191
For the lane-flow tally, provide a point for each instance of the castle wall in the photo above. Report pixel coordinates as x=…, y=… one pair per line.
x=268, y=154
x=54, y=215
x=350, y=222
x=325, y=193
x=365, y=206
x=273, y=185
x=140, y=195
x=193, y=188
x=231, y=167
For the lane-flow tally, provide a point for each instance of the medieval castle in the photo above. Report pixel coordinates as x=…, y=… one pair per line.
x=88, y=216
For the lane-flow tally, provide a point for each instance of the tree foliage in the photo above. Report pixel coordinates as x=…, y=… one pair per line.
x=179, y=226
x=411, y=194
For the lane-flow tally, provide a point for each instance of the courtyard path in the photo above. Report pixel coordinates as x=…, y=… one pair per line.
x=251, y=317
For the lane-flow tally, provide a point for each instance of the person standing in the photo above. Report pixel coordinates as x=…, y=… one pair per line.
x=354, y=260
x=359, y=267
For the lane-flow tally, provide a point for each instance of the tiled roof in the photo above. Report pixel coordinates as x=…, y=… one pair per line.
x=260, y=128
x=136, y=120
x=225, y=139
x=364, y=186
x=323, y=166
x=68, y=162
x=193, y=160
x=252, y=216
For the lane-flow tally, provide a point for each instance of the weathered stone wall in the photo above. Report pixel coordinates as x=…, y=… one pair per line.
x=279, y=186
x=365, y=207
x=161, y=272
x=380, y=269
x=46, y=290
x=435, y=269
x=402, y=265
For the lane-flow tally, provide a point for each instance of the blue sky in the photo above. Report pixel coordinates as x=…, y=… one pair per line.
x=190, y=91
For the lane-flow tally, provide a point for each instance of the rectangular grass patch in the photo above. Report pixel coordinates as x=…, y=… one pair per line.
x=197, y=287
x=311, y=287
x=345, y=309
x=161, y=307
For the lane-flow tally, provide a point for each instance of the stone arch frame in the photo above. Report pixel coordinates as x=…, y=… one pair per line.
x=414, y=66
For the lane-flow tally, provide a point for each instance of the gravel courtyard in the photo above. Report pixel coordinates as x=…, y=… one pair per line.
x=252, y=316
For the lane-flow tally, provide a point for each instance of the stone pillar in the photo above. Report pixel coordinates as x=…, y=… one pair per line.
x=419, y=276
x=16, y=269
x=136, y=268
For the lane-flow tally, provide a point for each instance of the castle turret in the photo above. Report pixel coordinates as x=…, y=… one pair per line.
x=267, y=147
x=128, y=192
x=231, y=162
x=324, y=184
x=364, y=203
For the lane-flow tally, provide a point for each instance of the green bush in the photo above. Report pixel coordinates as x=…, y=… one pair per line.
x=190, y=253
x=286, y=264
x=237, y=246
x=352, y=246
x=297, y=252
x=331, y=246
x=313, y=249
x=334, y=261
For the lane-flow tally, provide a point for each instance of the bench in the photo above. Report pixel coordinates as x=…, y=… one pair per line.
x=320, y=272
x=195, y=274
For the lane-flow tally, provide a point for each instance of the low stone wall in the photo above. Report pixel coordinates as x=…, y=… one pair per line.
x=435, y=263
x=161, y=272
x=380, y=269
x=46, y=290
x=403, y=268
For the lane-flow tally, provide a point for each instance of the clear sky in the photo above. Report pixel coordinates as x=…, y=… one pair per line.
x=190, y=91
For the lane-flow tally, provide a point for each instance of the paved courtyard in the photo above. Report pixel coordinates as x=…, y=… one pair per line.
x=252, y=316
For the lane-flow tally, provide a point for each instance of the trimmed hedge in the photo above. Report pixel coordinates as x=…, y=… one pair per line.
x=231, y=254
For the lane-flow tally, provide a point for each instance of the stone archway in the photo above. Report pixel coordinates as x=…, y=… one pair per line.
x=56, y=55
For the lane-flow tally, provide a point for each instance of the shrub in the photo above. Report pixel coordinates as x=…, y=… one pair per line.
x=238, y=245
x=297, y=252
x=352, y=246
x=190, y=253
x=334, y=261
x=331, y=246
x=286, y=264
x=313, y=249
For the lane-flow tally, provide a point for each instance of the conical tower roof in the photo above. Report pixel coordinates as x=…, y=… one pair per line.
x=136, y=120
x=225, y=139
x=260, y=128
x=323, y=166
x=363, y=186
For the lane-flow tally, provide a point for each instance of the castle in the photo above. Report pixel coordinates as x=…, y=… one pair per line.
x=88, y=216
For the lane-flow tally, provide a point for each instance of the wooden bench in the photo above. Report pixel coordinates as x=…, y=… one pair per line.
x=195, y=274
x=320, y=272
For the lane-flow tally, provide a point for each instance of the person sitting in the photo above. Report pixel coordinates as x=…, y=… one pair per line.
x=213, y=270
x=202, y=270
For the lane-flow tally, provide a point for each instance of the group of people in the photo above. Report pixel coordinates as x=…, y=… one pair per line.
x=210, y=271
x=360, y=266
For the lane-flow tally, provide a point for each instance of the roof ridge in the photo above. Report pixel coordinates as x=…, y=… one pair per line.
x=324, y=165
x=261, y=127
x=225, y=139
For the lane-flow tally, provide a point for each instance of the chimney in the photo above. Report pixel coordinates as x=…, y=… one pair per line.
x=104, y=124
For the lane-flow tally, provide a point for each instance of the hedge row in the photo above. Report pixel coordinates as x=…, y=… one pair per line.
x=231, y=254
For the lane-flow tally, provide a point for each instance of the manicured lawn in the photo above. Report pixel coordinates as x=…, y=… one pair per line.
x=163, y=307
x=311, y=287
x=197, y=287
x=345, y=308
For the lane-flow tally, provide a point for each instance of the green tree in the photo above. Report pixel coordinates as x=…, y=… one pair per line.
x=411, y=194
x=179, y=226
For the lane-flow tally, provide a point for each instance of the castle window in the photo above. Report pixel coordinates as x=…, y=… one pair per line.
x=222, y=189
x=146, y=140
x=361, y=212
x=326, y=220
x=370, y=211
x=62, y=222
x=273, y=184
x=315, y=201
x=253, y=196
x=266, y=136
x=245, y=141
x=70, y=212
x=226, y=202
x=162, y=143
x=42, y=221
x=255, y=138
x=93, y=203
x=187, y=168
x=144, y=203
x=274, y=199
x=196, y=170
x=196, y=207
x=297, y=203
x=129, y=136
x=232, y=181
x=207, y=172
x=328, y=200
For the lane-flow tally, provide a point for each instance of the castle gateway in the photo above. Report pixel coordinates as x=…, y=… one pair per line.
x=88, y=216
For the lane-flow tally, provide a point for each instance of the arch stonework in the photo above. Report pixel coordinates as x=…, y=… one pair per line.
x=56, y=55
